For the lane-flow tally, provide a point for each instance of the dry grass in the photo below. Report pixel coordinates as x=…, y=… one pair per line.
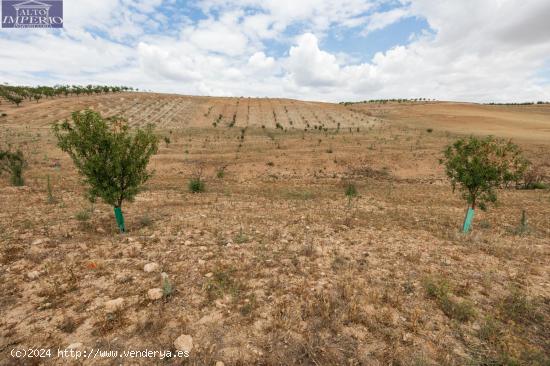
x=271, y=264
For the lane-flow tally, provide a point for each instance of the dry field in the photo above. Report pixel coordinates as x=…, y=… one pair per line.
x=271, y=265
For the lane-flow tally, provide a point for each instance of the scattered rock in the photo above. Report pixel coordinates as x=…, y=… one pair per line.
x=100, y=230
x=33, y=275
x=407, y=337
x=39, y=241
x=219, y=363
x=113, y=305
x=209, y=275
x=184, y=343
x=45, y=306
x=151, y=267
x=201, y=262
x=154, y=294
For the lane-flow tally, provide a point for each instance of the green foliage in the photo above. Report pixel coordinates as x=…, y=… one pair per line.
x=351, y=193
x=437, y=289
x=520, y=308
x=351, y=190
x=241, y=237
x=17, y=94
x=167, y=288
x=13, y=163
x=533, y=178
x=480, y=166
x=196, y=185
x=440, y=291
x=112, y=159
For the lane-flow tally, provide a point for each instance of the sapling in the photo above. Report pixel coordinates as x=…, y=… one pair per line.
x=112, y=158
x=351, y=193
x=51, y=198
x=196, y=183
x=523, y=226
x=166, y=285
x=480, y=166
x=13, y=163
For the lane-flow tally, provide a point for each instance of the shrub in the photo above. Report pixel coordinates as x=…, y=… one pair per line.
x=533, y=178
x=479, y=167
x=196, y=185
x=350, y=192
x=440, y=290
x=520, y=308
x=13, y=163
x=241, y=237
x=83, y=215
x=112, y=158
x=145, y=220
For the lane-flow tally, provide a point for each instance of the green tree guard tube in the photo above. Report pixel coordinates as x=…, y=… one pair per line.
x=468, y=219
x=119, y=219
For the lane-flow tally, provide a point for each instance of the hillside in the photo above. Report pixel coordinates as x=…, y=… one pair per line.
x=272, y=264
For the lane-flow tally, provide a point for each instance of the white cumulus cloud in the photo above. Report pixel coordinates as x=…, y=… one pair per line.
x=473, y=50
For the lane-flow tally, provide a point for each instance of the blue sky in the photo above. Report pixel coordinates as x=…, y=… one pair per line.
x=308, y=49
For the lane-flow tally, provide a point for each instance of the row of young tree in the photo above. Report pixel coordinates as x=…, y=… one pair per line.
x=521, y=103
x=113, y=161
x=385, y=101
x=18, y=94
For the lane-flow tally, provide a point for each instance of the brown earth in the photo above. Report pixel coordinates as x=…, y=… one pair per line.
x=271, y=264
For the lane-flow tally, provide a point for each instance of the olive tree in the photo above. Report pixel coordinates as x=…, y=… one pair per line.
x=112, y=158
x=479, y=166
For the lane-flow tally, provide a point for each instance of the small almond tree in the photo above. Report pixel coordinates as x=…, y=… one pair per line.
x=479, y=167
x=112, y=158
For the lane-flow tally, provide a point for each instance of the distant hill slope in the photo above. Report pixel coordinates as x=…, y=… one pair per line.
x=168, y=111
x=530, y=122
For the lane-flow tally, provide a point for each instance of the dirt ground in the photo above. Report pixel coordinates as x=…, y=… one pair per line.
x=272, y=265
